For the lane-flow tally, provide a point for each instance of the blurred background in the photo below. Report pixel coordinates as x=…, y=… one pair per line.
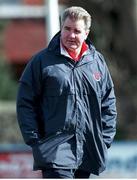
x=24, y=30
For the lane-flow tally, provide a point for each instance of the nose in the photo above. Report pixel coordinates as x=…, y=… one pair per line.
x=72, y=34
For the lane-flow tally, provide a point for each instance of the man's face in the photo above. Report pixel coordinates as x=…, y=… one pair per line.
x=73, y=34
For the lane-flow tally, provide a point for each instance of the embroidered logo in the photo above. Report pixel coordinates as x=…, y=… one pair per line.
x=97, y=76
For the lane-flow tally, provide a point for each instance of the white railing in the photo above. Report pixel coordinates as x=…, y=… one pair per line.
x=24, y=11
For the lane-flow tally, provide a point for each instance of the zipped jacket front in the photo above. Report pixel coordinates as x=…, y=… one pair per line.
x=67, y=110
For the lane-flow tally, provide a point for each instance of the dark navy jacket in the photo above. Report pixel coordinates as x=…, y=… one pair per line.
x=67, y=110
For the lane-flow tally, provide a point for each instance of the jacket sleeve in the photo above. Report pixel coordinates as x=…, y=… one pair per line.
x=109, y=115
x=108, y=108
x=28, y=101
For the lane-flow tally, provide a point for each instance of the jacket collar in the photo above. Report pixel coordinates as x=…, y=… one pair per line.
x=54, y=45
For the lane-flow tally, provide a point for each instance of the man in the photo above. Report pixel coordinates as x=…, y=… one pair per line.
x=66, y=105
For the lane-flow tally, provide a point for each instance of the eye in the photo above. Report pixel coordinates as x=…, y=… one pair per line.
x=77, y=31
x=67, y=28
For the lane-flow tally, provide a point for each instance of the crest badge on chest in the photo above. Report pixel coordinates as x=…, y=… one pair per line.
x=97, y=76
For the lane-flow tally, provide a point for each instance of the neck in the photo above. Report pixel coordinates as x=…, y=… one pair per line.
x=76, y=54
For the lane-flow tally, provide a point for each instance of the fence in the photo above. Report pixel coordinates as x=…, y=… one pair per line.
x=16, y=161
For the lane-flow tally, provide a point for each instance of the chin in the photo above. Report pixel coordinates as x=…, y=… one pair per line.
x=73, y=48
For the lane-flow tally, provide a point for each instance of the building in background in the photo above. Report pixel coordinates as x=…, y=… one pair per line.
x=26, y=32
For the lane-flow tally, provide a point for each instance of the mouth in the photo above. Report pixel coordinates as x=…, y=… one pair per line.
x=71, y=42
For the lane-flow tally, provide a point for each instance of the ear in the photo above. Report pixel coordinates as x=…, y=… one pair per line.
x=87, y=33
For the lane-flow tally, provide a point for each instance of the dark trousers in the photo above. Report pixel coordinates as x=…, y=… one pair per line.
x=64, y=173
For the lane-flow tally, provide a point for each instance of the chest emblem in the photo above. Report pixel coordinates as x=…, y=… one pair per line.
x=97, y=76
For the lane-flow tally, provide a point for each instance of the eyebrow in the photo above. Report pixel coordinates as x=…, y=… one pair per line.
x=68, y=27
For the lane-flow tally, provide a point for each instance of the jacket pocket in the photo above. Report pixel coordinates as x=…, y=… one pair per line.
x=44, y=152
